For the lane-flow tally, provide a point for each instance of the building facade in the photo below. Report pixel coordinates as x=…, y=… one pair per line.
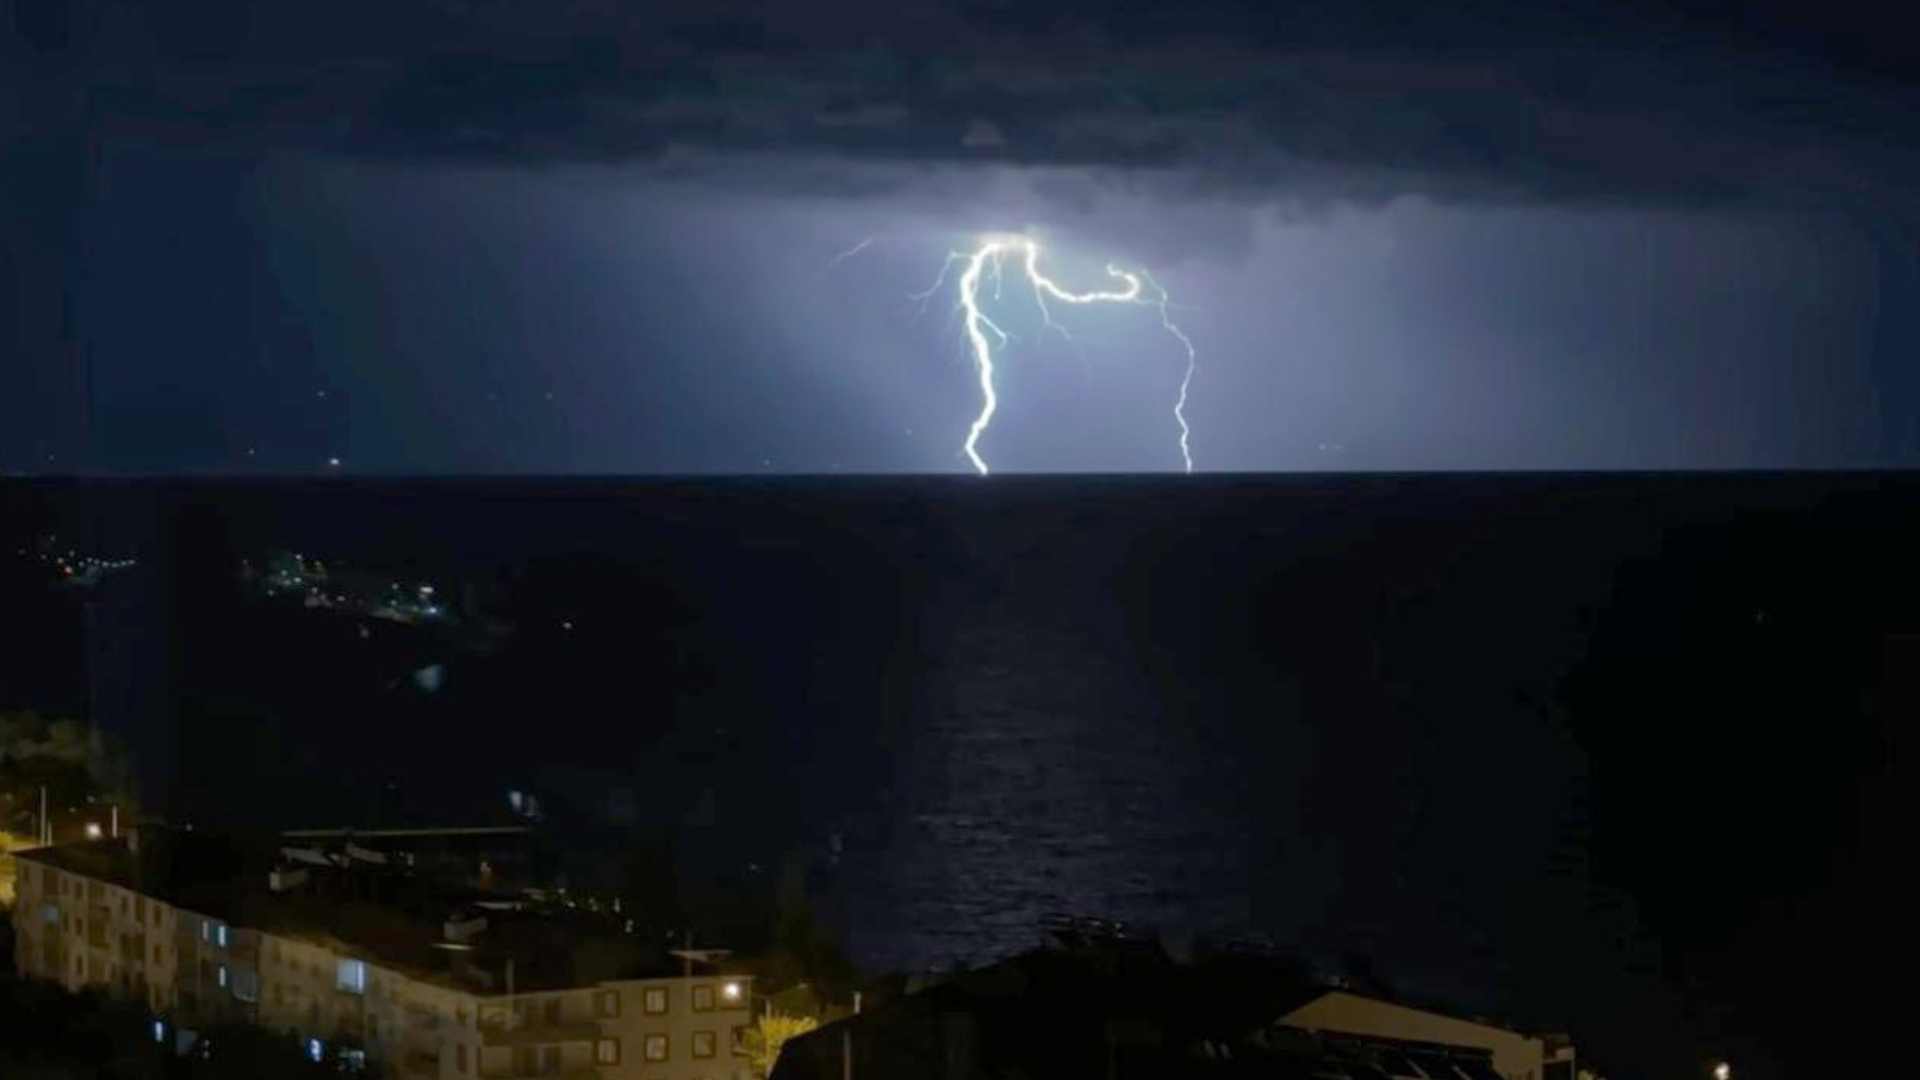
x=194, y=969
x=1515, y=1056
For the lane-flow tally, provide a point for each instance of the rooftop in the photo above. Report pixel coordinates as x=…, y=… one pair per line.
x=179, y=868
x=385, y=915
x=1118, y=1007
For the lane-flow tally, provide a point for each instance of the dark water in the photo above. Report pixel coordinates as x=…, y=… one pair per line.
x=1499, y=733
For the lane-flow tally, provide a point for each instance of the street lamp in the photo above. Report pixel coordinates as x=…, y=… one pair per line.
x=1723, y=1071
x=93, y=830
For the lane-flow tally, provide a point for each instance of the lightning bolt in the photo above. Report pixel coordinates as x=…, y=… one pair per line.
x=1186, y=378
x=986, y=259
x=850, y=252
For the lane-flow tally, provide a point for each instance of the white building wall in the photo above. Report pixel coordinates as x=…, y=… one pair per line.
x=109, y=937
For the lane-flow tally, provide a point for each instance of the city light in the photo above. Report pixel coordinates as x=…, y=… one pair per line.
x=1723, y=1071
x=731, y=991
x=94, y=832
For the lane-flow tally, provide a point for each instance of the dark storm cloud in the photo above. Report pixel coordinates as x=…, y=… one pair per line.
x=1559, y=103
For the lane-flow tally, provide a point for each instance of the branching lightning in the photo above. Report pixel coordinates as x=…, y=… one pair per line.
x=850, y=252
x=1129, y=288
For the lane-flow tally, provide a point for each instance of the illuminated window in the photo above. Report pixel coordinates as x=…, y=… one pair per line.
x=159, y=1031
x=221, y=977
x=656, y=1048
x=606, y=1003
x=606, y=1052
x=702, y=998
x=206, y=930
x=220, y=935
x=316, y=1050
x=655, y=1000
x=351, y=976
x=703, y=1044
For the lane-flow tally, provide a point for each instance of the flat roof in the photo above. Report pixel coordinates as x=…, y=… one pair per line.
x=219, y=878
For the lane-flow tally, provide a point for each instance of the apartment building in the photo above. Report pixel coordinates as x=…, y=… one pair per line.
x=193, y=938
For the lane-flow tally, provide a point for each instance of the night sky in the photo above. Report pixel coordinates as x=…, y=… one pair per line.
x=481, y=238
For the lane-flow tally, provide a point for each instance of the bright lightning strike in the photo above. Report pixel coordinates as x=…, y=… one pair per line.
x=1130, y=288
x=1186, y=378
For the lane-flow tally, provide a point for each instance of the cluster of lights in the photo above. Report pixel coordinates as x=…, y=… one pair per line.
x=399, y=602
x=71, y=564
